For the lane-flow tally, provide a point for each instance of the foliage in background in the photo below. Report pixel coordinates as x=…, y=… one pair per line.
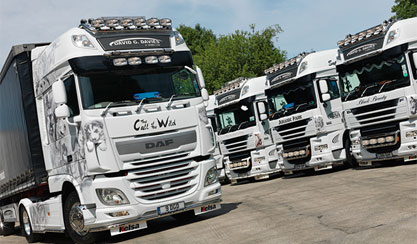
x=243, y=53
x=404, y=9
x=196, y=38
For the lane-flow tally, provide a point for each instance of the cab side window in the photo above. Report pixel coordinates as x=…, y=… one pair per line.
x=333, y=89
x=72, y=100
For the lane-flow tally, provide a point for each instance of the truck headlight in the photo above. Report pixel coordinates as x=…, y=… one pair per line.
x=411, y=133
x=259, y=159
x=211, y=176
x=320, y=147
x=111, y=196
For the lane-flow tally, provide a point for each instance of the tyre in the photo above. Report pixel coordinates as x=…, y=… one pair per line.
x=5, y=228
x=74, y=221
x=350, y=160
x=26, y=226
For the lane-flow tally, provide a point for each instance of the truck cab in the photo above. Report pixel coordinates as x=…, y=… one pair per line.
x=124, y=131
x=305, y=112
x=218, y=156
x=378, y=81
x=243, y=130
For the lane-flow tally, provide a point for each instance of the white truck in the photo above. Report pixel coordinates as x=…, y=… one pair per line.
x=305, y=112
x=378, y=81
x=243, y=130
x=104, y=129
x=218, y=156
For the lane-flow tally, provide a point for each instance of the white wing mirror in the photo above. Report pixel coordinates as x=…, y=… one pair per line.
x=261, y=108
x=59, y=93
x=415, y=59
x=204, y=94
x=325, y=97
x=62, y=112
x=200, y=77
x=262, y=111
x=323, y=86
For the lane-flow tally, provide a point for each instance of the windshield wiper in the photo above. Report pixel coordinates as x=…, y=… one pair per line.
x=364, y=91
x=170, y=101
x=350, y=93
x=106, y=109
x=300, y=106
x=140, y=104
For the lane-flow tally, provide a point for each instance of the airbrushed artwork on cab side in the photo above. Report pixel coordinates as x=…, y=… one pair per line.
x=66, y=143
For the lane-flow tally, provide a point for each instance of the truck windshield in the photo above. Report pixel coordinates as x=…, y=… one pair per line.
x=128, y=87
x=291, y=98
x=377, y=76
x=235, y=117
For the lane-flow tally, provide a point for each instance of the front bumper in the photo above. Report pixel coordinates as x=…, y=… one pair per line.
x=319, y=159
x=263, y=163
x=407, y=149
x=98, y=217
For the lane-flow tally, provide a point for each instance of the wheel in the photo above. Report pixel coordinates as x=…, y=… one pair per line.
x=350, y=160
x=5, y=228
x=26, y=226
x=74, y=221
x=185, y=216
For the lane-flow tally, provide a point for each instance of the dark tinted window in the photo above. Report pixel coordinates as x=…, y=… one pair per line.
x=72, y=101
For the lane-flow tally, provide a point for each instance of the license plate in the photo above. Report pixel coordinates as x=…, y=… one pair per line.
x=173, y=207
x=383, y=155
x=299, y=166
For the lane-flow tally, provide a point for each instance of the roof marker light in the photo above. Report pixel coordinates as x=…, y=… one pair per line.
x=165, y=22
x=119, y=62
x=152, y=22
x=140, y=22
x=151, y=60
x=134, y=61
x=82, y=41
x=164, y=59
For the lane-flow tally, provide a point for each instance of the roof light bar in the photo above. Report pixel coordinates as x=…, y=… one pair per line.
x=125, y=23
x=363, y=35
x=231, y=85
x=288, y=63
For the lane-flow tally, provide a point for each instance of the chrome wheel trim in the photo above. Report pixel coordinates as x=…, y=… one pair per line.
x=26, y=222
x=76, y=220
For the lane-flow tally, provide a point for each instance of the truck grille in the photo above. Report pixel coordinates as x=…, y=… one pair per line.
x=236, y=144
x=373, y=113
x=155, y=179
x=292, y=130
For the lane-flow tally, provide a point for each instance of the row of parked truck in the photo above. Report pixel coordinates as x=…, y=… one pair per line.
x=354, y=105
x=106, y=127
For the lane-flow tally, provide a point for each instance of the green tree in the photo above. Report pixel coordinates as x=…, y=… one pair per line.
x=404, y=9
x=196, y=38
x=243, y=53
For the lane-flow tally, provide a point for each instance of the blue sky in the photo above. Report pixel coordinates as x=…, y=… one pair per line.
x=307, y=24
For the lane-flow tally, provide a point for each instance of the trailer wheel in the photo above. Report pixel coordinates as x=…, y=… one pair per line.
x=5, y=228
x=26, y=226
x=350, y=160
x=74, y=221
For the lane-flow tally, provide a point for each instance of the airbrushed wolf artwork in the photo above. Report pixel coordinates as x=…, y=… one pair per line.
x=102, y=130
